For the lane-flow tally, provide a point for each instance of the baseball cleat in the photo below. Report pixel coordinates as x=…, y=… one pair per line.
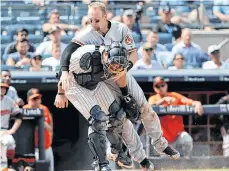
x=121, y=160
x=147, y=165
x=172, y=153
x=105, y=167
x=95, y=165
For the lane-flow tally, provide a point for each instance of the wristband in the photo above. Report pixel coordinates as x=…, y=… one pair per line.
x=60, y=93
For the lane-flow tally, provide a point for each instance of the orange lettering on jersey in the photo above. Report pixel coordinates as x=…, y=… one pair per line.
x=128, y=40
x=5, y=112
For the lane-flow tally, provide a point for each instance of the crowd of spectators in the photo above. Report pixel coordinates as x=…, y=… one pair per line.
x=22, y=53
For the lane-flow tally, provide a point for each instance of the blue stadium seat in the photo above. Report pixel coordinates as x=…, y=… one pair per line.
x=5, y=39
x=169, y=46
x=29, y=20
x=3, y=46
x=66, y=38
x=11, y=68
x=144, y=35
x=24, y=10
x=35, y=38
x=31, y=28
x=165, y=38
x=7, y=20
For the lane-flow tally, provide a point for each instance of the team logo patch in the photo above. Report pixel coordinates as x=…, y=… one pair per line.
x=128, y=40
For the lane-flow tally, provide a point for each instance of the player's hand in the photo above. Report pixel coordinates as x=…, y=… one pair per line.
x=169, y=100
x=61, y=101
x=20, y=102
x=120, y=76
x=64, y=80
x=199, y=108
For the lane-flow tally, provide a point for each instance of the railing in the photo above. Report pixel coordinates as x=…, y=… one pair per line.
x=209, y=110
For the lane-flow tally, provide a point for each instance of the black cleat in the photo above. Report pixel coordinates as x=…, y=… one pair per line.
x=121, y=160
x=172, y=153
x=105, y=167
x=147, y=165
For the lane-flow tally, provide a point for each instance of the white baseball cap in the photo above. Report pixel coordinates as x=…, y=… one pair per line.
x=212, y=48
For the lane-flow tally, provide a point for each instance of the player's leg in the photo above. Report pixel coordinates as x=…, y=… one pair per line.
x=6, y=142
x=85, y=103
x=49, y=157
x=135, y=146
x=117, y=115
x=150, y=119
x=185, y=143
x=132, y=139
x=3, y=158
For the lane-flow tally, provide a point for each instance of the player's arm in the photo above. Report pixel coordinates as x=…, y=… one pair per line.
x=16, y=125
x=61, y=101
x=186, y=101
x=49, y=122
x=64, y=63
x=16, y=113
x=48, y=26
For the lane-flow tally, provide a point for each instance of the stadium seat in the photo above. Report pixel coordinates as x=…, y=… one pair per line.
x=24, y=10
x=7, y=20
x=169, y=46
x=31, y=28
x=144, y=35
x=46, y=56
x=3, y=46
x=5, y=39
x=35, y=38
x=66, y=38
x=165, y=38
x=29, y=20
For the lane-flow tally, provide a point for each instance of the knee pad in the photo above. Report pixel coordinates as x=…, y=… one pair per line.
x=98, y=119
x=116, y=111
x=117, y=116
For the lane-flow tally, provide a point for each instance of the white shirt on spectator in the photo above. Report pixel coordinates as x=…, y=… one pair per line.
x=45, y=48
x=212, y=65
x=141, y=65
x=172, y=68
x=53, y=62
x=12, y=93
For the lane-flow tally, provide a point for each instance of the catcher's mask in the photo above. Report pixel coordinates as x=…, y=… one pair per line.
x=117, y=59
x=4, y=84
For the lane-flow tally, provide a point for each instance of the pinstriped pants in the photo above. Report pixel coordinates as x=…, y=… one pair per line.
x=84, y=99
x=149, y=118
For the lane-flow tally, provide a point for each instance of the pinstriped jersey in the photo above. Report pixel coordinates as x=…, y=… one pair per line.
x=118, y=32
x=8, y=108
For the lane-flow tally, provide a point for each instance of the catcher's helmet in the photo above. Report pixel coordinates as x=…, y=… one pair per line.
x=117, y=59
x=4, y=84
